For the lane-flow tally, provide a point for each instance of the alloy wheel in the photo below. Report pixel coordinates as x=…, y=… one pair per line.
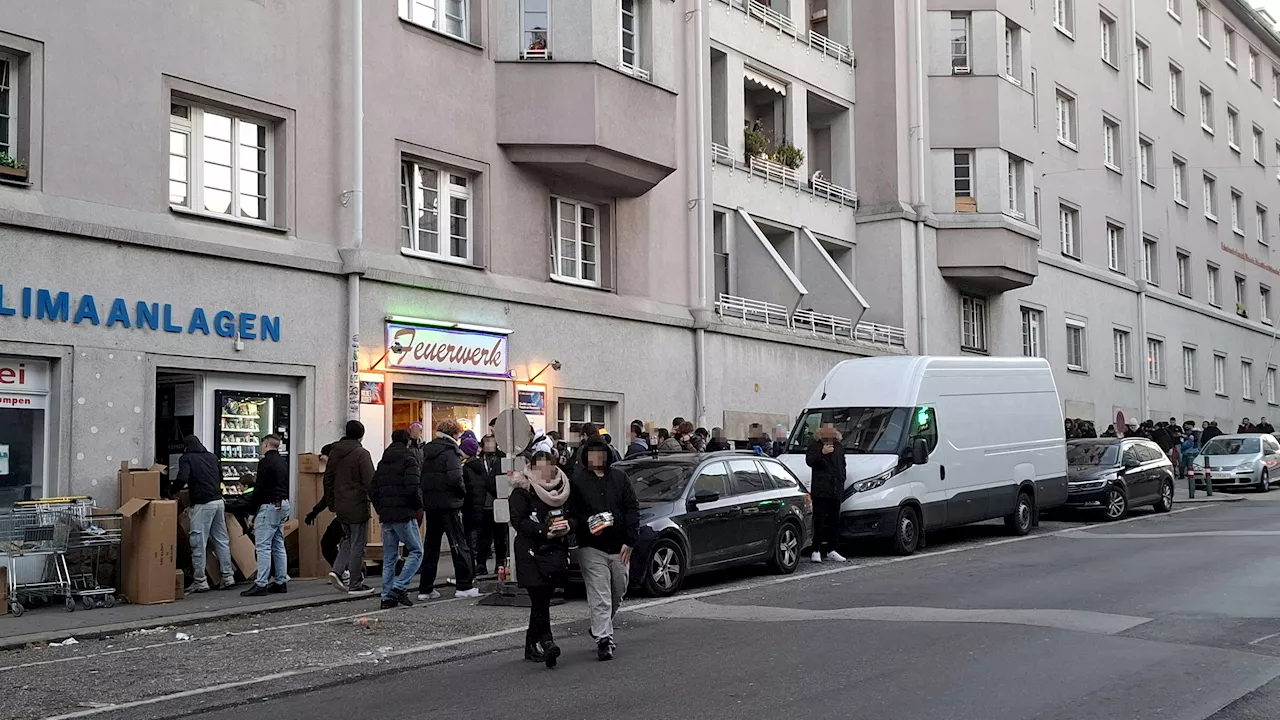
x=666, y=568
x=789, y=548
x=1116, y=504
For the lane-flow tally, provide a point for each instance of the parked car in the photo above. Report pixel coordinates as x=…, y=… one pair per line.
x=707, y=511
x=1238, y=460
x=1116, y=474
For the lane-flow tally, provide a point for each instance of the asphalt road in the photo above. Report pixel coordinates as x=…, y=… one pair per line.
x=1171, y=617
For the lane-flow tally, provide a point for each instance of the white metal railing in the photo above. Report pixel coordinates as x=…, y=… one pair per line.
x=722, y=155
x=633, y=71
x=833, y=192
x=536, y=54
x=830, y=48
x=817, y=323
x=783, y=23
x=779, y=173
x=773, y=171
x=771, y=17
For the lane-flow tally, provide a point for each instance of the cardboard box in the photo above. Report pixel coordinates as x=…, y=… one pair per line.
x=143, y=483
x=179, y=584
x=245, y=556
x=311, y=562
x=149, y=553
x=310, y=463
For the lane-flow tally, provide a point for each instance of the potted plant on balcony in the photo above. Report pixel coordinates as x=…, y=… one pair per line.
x=754, y=142
x=12, y=168
x=789, y=155
x=1241, y=311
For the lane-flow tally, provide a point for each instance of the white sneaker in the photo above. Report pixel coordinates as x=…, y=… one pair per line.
x=338, y=583
x=816, y=557
x=472, y=593
x=836, y=557
x=346, y=576
x=433, y=595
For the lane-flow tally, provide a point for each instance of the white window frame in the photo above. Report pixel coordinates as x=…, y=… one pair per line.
x=1065, y=110
x=1246, y=379
x=1237, y=200
x=1275, y=86
x=1174, y=8
x=1184, y=273
x=1189, y=368
x=435, y=16
x=1015, y=183
x=1271, y=386
x=973, y=323
x=1179, y=180
x=1219, y=374
x=1176, y=100
x=1064, y=17
x=193, y=128
x=1260, y=223
x=1259, y=153
x=1077, y=342
x=1142, y=51
x=1242, y=292
x=9, y=110
x=1032, y=332
x=1155, y=361
x=528, y=35
x=1202, y=24
x=1115, y=248
x=1108, y=32
x=1068, y=231
x=1146, y=161
x=1253, y=66
x=1150, y=261
x=635, y=66
x=1264, y=304
x=1120, y=353
x=1110, y=129
x=967, y=167
x=413, y=194
x=577, y=207
x=566, y=417
x=1213, y=276
x=1210, y=197
x=1233, y=129
x=1206, y=110
x=1229, y=45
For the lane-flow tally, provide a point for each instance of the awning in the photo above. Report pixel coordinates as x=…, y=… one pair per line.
x=760, y=80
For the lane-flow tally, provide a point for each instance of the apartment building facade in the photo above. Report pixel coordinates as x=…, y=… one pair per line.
x=183, y=231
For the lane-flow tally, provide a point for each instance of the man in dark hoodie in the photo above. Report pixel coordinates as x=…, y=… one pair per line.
x=443, y=494
x=825, y=457
x=638, y=444
x=271, y=495
x=603, y=506
x=348, y=477
x=198, y=470
x=397, y=497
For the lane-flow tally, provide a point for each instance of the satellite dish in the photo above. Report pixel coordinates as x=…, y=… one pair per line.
x=513, y=431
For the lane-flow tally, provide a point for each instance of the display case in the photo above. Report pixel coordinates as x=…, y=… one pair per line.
x=243, y=419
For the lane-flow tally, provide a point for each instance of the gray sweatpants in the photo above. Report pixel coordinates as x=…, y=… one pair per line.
x=606, y=578
x=351, y=552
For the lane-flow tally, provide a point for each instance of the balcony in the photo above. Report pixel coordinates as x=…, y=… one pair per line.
x=808, y=322
x=776, y=172
x=587, y=125
x=783, y=24
x=987, y=260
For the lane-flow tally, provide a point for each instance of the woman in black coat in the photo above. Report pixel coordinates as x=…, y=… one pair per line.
x=537, y=503
x=825, y=456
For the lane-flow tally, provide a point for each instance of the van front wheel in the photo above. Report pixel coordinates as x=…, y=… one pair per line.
x=1020, y=520
x=907, y=536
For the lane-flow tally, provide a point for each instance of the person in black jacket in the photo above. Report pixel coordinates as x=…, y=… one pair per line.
x=538, y=499
x=491, y=535
x=1210, y=432
x=271, y=495
x=604, y=508
x=473, y=516
x=718, y=443
x=198, y=469
x=825, y=455
x=397, y=498
x=348, y=477
x=443, y=495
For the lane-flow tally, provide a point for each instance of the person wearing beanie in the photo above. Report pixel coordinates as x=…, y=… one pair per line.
x=348, y=479
x=474, y=475
x=444, y=494
x=397, y=496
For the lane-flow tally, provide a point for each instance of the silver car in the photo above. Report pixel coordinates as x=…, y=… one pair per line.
x=1246, y=460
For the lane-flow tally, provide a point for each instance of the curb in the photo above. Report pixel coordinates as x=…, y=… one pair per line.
x=1218, y=498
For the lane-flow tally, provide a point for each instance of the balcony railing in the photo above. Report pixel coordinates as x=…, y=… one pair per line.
x=784, y=24
x=634, y=71
x=816, y=323
x=779, y=173
x=536, y=54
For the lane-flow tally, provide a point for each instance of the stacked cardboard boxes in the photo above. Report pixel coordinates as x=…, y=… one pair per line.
x=150, y=536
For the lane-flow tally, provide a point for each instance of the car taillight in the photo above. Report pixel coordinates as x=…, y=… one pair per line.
x=808, y=503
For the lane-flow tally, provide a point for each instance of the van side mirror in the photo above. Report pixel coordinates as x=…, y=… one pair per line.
x=920, y=451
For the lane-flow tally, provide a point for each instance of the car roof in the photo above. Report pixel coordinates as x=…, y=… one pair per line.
x=1100, y=441
x=1241, y=436
x=689, y=458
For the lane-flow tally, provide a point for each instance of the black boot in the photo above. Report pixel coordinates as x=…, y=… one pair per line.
x=533, y=651
x=550, y=651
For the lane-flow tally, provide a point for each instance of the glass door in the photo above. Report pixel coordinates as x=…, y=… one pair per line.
x=243, y=419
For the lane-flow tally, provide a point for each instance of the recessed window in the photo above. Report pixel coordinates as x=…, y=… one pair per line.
x=1110, y=133
x=962, y=175
x=1258, y=152
x=1184, y=273
x=1146, y=161
x=1220, y=374
x=1271, y=385
x=1064, y=13
x=451, y=17
x=574, y=414
x=1253, y=67
x=1035, y=100
x=1175, y=9
x=1013, y=53
x=1066, y=111
x=1260, y=223
x=1236, y=201
x=1233, y=128
x=1115, y=248
x=1210, y=197
x=1175, y=89
x=8, y=109
x=1211, y=289
x=1108, y=31
x=973, y=323
x=1077, y=358
x=1120, y=353
x=1015, y=187
x=1155, y=361
x=1202, y=23
x=1264, y=304
x=437, y=211
x=1242, y=308
x=1229, y=45
x=220, y=163
x=960, y=43
x=1068, y=224
x=629, y=24
x=1142, y=66
x=1032, y=327
x=1179, y=180
x=1206, y=109
x=1189, y=368
x=1150, y=261
x=1246, y=379
x=575, y=253
x=535, y=16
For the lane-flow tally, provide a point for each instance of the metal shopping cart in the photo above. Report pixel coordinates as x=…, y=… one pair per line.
x=93, y=546
x=34, y=537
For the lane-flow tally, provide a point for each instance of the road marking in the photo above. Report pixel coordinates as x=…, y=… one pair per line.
x=1164, y=536
x=1264, y=638
x=1085, y=621
x=843, y=568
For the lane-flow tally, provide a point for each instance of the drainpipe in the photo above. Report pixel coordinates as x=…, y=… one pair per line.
x=703, y=195
x=1135, y=184
x=917, y=71
x=352, y=262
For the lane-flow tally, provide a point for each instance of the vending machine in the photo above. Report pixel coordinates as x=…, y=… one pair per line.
x=243, y=419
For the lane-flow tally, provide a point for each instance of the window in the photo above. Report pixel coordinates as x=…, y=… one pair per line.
x=536, y=29
x=1210, y=198
x=1184, y=273
x=1076, y=356
x=1108, y=39
x=1246, y=379
x=1150, y=262
x=1035, y=208
x=1257, y=146
x=630, y=28
x=1206, y=109
x=1260, y=223
x=1146, y=161
x=8, y=109
x=1015, y=187
x=1233, y=128
x=1155, y=361
x=1066, y=106
x=1241, y=289
x=1032, y=322
x=1211, y=289
x=426, y=191
x=1120, y=352
x=1035, y=100
x=1064, y=13
x=973, y=323
x=1236, y=201
x=220, y=163
x=1264, y=304
x=1179, y=180
x=745, y=477
x=960, y=43
x=447, y=16
x=1142, y=60
x=1189, y=368
x=1202, y=23
x=714, y=477
x=1175, y=88
x=574, y=413
x=575, y=254
x=1229, y=45
x=963, y=174
x=1220, y=374
x=1175, y=9
x=1115, y=248
x=1110, y=130
x=1271, y=386
x=1253, y=67
x=1277, y=156
x=1013, y=53
x=1068, y=222
x=1275, y=85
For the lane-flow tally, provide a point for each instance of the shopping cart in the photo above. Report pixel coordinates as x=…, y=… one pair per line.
x=94, y=546
x=33, y=543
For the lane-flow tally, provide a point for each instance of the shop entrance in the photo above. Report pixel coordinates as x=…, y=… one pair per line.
x=410, y=405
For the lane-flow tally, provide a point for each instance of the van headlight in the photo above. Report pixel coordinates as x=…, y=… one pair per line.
x=872, y=483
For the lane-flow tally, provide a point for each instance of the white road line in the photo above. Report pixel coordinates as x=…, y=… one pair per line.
x=1264, y=638
x=196, y=692
x=1166, y=536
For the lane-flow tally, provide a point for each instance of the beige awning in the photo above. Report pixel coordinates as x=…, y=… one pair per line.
x=760, y=80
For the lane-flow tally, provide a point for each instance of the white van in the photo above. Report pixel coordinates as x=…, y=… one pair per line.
x=936, y=442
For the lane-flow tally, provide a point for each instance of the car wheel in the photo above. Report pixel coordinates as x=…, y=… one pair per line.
x=1023, y=516
x=1264, y=482
x=1165, y=503
x=1116, y=505
x=906, y=538
x=666, y=568
x=786, y=549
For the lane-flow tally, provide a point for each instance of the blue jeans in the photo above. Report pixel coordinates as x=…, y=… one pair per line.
x=208, y=521
x=392, y=535
x=268, y=539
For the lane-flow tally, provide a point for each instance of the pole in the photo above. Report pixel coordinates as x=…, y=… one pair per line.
x=1135, y=188
x=357, y=211
x=916, y=21
x=702, y=194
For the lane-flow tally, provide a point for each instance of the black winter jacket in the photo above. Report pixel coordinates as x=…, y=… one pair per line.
x=828, y=476
x=397, y=484
x=474, y=477
x=540, y=561
x=442, y=485
x=348, y=476
x=272, y=484
x=592, y=494
x=198, y=469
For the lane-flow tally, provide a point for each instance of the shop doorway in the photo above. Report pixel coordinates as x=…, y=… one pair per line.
x=176, y=401
x=469, y=411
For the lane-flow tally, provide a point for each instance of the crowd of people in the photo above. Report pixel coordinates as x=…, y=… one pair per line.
x=1180, y=441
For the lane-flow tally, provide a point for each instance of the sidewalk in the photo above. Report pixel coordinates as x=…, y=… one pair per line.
x=1181, y=497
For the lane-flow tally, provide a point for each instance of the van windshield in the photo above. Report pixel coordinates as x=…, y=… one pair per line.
x=866, y=431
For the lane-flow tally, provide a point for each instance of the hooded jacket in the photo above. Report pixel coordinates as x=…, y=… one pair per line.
x=348, y=478
x=475, y=475
x=671, y=444
x=198, y=469
x=593, y=494
x=828, y=476
x=396, y=491
x=639, y=446
x=442, y=485
x=540, y=561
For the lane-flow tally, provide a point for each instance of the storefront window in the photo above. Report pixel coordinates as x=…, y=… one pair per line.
x=24, y=398
x=573, y=414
